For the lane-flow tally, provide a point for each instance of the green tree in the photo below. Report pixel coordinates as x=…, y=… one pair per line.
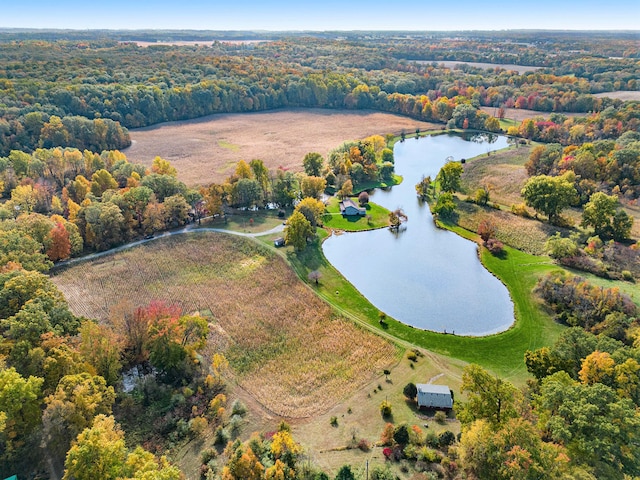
x=598, y=213
x=176, y=210
x=423, y=188
x=621, y=225
x=449, y=177
x=410, y=391
x=313, y=164
x=549, y=195
x=297, y=230
x=597, y=427
x=445, y=206
x=20, y=400
x=21, y=249
x=488, y=397
x=285, y=189
x=345, y=473
x=246, y=192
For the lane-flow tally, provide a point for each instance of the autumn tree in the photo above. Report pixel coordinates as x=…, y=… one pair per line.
x=312, y=186
x=346, y=189
x=102, y=348
x=423, y=188
x=59, y=246
x=163, y=167
x=77, y=400
x=154, y=217
x=312, y=209
x=449, y=177
x=101, y=181
x=176, y=211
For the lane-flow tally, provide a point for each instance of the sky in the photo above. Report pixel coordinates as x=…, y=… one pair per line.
x=322, y=15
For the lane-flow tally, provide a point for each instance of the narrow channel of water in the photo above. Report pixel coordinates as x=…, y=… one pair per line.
x=423, y=276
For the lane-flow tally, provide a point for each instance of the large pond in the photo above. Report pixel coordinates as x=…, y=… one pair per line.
x=424, y=276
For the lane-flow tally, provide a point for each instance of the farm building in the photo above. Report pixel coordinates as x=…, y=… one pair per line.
x=434, y=396
x=348, y=207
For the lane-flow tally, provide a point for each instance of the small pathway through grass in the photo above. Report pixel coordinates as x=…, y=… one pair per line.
x=188, y=229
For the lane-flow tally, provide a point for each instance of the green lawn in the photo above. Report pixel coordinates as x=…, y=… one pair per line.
x=502, y=353
x=379, y=217
x=370, y=185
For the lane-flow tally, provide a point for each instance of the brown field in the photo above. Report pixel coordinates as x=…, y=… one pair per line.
x=624, y=95
x=520, y=114
x=191, y=43
x=206, y=150
x=287, y=348
x=507, y=66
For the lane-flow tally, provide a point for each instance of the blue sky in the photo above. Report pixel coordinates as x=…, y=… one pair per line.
x=323, y=14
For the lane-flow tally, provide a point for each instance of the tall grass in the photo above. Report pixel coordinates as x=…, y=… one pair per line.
x=286, y=346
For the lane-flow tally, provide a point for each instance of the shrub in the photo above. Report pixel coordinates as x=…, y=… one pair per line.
x=412, y=356
x=386, y=438
x=334, y=421
x=207, y=455
x=385, y=409
x=432, y=440
x=220, y=437
x=520, y=210
x=364, y=445
x=410, y=390
x=363, y=198
x=626, y=275
x=235, y=423
x=494, y=246
x=440, y=417
x=446, y=438
x=197, y=426
x=238, y=408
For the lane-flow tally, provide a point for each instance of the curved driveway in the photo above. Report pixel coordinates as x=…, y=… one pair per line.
x=188, y=229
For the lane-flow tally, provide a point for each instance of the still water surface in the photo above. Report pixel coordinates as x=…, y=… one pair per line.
x=423, y=276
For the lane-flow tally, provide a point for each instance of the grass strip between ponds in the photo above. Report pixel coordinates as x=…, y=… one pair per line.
x=501, y=353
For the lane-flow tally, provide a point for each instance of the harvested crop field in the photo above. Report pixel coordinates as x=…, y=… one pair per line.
x=624, y=95
x=286, y=347
x=506, y=66
x=206, y=150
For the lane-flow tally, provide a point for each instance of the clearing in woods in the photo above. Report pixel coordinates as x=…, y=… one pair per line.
x=207, y=149
x=286, y=347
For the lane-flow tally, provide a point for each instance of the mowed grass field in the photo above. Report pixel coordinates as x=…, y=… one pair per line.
x=286, y=347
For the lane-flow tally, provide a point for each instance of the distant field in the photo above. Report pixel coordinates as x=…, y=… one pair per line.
x=625, y=95
x=507, y=66
x=287, y=349
x=520, y=114
x=206, y=150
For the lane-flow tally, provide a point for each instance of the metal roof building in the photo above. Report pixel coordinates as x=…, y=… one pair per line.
x=434, y=396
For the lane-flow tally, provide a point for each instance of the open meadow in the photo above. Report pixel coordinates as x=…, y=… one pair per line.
x=207, y=149
x=286, y=347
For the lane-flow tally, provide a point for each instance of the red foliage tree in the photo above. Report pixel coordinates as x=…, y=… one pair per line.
x=59, y=244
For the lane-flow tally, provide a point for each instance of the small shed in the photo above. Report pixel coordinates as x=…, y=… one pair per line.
x=278, y=242
x=348, y=207
x=434, y=396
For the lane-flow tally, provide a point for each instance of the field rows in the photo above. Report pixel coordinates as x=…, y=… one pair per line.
x=285, y=345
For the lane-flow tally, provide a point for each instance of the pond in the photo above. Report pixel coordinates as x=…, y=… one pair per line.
x=424, y=276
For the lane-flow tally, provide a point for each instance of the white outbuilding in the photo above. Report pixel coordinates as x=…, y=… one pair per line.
x=434, y=396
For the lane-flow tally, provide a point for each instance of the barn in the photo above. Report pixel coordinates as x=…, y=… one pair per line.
x=434, y=396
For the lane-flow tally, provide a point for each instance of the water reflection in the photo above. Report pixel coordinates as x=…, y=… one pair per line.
x=423, y=276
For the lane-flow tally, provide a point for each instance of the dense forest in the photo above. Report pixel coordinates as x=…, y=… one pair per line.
x=67, y=100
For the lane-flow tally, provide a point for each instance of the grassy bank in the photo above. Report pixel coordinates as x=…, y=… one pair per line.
x=502, y=353
x=376, y=217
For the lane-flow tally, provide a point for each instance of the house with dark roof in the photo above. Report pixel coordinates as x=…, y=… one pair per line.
x=349, y=208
